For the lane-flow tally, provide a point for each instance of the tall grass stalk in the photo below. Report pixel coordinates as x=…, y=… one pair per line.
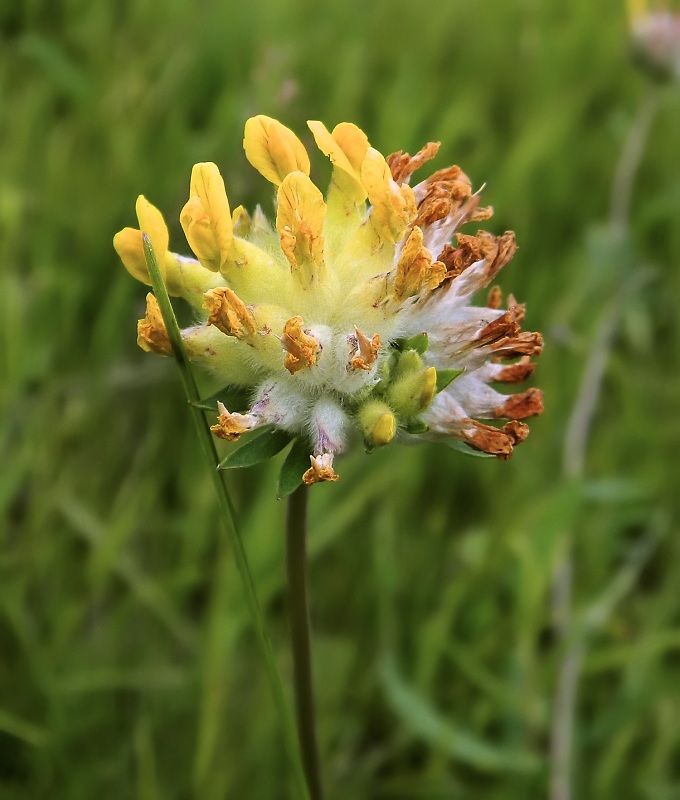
x=576, y=446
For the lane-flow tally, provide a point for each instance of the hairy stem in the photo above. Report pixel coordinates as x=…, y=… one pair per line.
x=300, y=632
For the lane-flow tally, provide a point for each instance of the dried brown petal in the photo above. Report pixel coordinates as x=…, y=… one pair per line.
x=521, y=406
x=402, y=165
x=516, y=373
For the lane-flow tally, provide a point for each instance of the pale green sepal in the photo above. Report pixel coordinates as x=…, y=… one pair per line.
x=420, y=343
x=447, y=376
x=416, y=427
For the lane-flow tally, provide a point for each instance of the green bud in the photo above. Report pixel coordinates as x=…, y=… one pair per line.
x=377, y=423
x=412, y=393
x=407, y=363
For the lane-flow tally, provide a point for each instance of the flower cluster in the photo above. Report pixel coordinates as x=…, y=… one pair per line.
x=656, y=40
x=352, y=313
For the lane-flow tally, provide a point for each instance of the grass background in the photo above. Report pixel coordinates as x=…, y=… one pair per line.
x=127, y=668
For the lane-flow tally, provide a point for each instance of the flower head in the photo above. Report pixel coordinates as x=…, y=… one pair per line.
x=656, y=40
x=352, y=313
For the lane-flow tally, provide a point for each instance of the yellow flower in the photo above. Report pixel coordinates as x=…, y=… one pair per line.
x=352, y=312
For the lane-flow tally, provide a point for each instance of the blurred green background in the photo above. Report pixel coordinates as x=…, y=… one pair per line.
x=127, y=666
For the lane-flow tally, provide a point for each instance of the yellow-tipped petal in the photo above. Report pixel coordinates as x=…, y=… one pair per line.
x=274, y=150
x=128, y=245
x=344, y=173
x=206, y=218
x=354, y=143
x=152, y=223
x=228, y=313
x=152, y=335
x=394, y=207
x=416, y=272
x=299, y=220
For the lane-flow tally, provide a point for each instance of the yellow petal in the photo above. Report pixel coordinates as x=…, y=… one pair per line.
x=274, y=150
x=152, y=223
x=128, y=245
x=354, y=143
x=344, y=173
x=416, y=272
x=299, y=220
x=206, y=218
x=393, y=206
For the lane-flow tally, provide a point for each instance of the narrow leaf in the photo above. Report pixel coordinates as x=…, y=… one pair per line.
x=456, y=444
x=235, y=398
x=293, y=468
x=261, y=446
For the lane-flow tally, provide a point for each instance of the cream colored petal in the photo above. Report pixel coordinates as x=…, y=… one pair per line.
x=274, y=150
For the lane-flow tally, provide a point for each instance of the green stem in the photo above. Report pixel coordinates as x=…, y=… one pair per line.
x=228, y=518
x=300, y=633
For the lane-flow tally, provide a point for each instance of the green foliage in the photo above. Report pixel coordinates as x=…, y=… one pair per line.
x=255, y=448
x=127, y=662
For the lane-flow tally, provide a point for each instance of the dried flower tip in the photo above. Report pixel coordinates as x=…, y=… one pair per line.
x=366, y=351
x=231, y=426
x=228, y=313
x=521, y=406
x=495, y=299
x=321, y=469
x=152, y=335
x=301, y=348
x=402, y=165
x=516, y=373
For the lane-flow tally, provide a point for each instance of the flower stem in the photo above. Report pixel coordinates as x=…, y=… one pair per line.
x=228, y=520
x=300, y=633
